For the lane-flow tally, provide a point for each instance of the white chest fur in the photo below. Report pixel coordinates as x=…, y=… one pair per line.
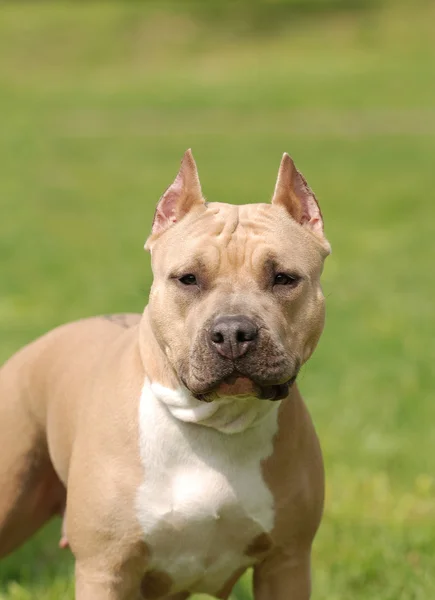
x=203, y=498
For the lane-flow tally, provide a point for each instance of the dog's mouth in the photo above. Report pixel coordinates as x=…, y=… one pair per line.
x=240, y=385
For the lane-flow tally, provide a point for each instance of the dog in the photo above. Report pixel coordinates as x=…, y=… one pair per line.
x=176, y=441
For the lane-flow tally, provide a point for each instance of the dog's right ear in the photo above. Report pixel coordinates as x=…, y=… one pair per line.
x=293, y=193
x=178, y=200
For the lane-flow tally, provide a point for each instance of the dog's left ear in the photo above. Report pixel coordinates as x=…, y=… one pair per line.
x=293, y=192
x=178, y=200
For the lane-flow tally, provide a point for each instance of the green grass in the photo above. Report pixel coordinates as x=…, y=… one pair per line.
x=97, y=105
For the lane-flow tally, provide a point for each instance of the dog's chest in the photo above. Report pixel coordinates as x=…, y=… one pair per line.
x=203, y=499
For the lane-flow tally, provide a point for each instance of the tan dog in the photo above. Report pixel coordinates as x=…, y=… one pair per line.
x=185, y=448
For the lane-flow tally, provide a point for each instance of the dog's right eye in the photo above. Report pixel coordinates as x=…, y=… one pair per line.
x=188, y=279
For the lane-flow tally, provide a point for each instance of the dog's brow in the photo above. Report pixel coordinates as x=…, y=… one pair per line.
x=273, y=264
x=270, y=262
x=196, y=264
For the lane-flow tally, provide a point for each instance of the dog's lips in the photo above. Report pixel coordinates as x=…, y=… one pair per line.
x=236, y=386
x=276, y=392
x=239, y=385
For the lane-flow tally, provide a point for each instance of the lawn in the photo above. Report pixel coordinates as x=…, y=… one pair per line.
x=99, y=101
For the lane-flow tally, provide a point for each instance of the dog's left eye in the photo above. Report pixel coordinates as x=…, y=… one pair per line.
x=286, y=279
x=188, y=279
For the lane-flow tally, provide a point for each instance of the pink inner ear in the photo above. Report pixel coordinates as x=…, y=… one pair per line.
x=166, y=211
x=311, y=214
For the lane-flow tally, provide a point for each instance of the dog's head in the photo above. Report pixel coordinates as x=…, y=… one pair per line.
x=236, y=303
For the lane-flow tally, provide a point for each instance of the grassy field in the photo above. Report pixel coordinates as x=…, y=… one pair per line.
x=97, y=105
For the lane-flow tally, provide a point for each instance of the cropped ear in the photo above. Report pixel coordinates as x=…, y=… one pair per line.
x=293, y=192
x=178, y=200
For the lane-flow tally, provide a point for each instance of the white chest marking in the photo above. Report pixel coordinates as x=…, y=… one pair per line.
x=203, y=498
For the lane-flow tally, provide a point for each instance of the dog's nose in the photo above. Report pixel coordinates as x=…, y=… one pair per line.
x=232, y=336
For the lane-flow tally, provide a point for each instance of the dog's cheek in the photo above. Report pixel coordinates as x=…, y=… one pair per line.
x=201, y=363
x=166, y=322
x=189, y=352
x=314, y=323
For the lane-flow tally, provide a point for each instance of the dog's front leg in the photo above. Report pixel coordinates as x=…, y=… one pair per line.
x=92, y=585
x=283, y=579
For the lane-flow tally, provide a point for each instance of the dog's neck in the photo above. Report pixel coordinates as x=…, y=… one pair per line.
x=227, y=414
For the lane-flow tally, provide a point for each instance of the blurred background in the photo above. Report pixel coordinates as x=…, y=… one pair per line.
x=98, y=102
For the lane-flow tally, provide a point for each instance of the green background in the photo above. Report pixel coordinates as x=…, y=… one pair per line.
x=98, y=103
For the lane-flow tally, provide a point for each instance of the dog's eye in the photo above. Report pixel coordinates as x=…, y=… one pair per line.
x=286, y=279
x=188, y=279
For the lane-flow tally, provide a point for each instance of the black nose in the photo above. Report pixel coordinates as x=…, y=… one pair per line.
x=232, y=336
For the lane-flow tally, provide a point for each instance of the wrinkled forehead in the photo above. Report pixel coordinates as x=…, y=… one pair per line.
x=225, y=236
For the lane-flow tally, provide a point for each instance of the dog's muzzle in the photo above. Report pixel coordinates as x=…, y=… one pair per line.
x=237, y=355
